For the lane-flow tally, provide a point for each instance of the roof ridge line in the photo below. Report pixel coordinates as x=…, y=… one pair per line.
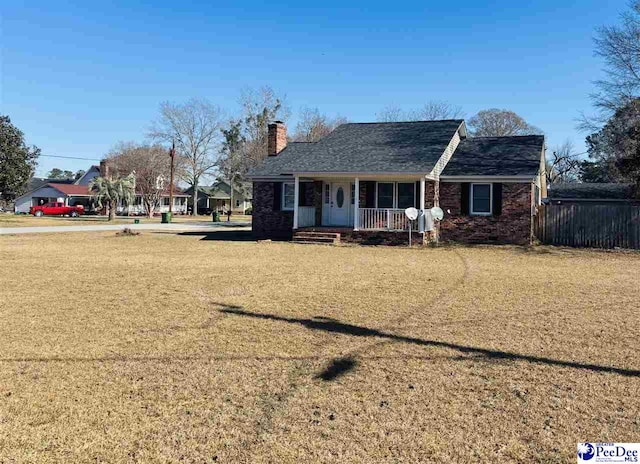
x=503, y=136
x=402, y=122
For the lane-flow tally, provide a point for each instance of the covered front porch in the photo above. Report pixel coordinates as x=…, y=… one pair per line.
x=367, y=203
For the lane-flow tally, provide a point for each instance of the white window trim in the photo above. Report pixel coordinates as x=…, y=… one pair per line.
x=481, y=213
x=282, y=200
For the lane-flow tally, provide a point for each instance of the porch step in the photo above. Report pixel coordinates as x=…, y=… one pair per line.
x=324, y=238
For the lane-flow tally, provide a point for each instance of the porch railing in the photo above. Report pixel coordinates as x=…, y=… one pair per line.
x=140, y=209
x=392, y=219
x=306, y=216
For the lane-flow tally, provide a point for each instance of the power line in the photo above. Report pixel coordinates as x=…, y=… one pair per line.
x=71, y=157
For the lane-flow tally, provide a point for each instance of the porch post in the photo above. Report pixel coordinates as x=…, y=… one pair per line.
x=356, y=205
x=296, y=200
x=422, y=188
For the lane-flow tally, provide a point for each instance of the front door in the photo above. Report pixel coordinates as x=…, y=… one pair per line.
x=340, y=203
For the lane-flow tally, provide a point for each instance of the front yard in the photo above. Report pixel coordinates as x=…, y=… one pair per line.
x=175, y=348
x=23, y=220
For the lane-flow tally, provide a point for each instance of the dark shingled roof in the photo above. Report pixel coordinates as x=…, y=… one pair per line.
x=411, y=147
x=497, y=156
x=37, y=182
x=590, y=191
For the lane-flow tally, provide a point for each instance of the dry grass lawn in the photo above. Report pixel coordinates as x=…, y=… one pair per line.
x=13, y=220
x=171, y=348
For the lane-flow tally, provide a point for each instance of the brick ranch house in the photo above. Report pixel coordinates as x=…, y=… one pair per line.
x=359, y=179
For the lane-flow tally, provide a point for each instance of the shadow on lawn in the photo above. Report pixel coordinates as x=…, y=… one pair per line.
x=342, y=365
x=222, y=235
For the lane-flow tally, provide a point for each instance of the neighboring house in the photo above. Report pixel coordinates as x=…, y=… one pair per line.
x=590, y=193
x=359, y=179
x=69, y=194
x=77, y=193
x=92, y=173
x=180, y=200
x=42, y=190
x=203, y=199
x=218, y=198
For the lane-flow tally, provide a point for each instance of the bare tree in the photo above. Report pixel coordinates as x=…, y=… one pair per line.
x=259, y=108
x=436, y=110
x=433, y=110
x=500, y=123
x=313, y=125
x=194, y=126
x=391, y=113
x=619, y=46
x=149, y=164
x=563, y=165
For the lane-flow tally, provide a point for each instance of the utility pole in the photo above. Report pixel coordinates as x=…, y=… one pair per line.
x=172, y=154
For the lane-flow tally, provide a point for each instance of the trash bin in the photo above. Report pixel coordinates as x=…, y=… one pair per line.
x=136, y=221
x=215, y=217
x=166, y=218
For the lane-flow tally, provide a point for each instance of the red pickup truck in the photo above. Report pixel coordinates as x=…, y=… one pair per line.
x=56, y=209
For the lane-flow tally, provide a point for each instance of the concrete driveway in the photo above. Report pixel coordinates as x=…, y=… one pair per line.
x=197, y=226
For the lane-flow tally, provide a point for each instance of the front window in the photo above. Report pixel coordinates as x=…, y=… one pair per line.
x=481, y=199
x=385, y=194
x=406, y=195
x=288, y=196
x=327, y=193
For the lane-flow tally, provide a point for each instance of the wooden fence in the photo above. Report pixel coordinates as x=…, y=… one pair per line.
x=613, y=225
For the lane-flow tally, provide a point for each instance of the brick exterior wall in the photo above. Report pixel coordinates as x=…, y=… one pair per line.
x=429, y=194
x=381, y=238
x=267, y=223
x=513, y=226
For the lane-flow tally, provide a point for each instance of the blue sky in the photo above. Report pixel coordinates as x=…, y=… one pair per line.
x=77, y=77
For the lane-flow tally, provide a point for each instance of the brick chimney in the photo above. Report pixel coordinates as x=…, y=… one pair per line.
x=277, y=138
x=104, y=168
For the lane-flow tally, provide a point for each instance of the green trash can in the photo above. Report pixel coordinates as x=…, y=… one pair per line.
x=166, y=218
x=215, y=216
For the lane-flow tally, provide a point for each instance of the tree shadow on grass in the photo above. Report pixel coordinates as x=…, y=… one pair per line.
x=341, y=366
x=337, y=368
